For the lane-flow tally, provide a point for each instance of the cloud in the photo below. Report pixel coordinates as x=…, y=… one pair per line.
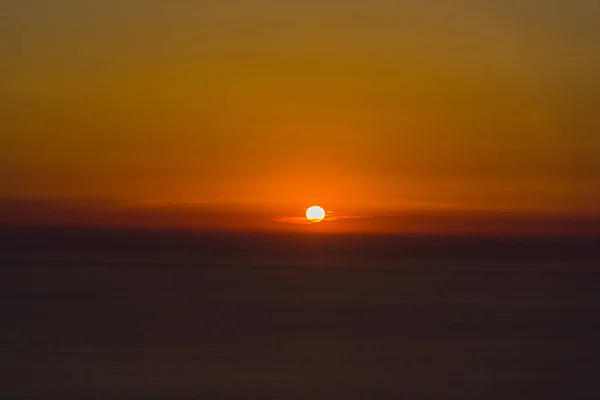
x=293, y=220
x=331, y=217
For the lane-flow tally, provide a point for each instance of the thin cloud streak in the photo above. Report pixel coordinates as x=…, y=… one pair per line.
x=293, y=220
x=330, y=217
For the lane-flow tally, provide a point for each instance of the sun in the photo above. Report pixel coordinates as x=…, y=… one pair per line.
x=315, y=214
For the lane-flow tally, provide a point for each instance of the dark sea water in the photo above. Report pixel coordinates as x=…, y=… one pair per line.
x=155, y=315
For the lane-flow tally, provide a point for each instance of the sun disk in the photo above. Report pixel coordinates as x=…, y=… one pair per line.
x=315, y=214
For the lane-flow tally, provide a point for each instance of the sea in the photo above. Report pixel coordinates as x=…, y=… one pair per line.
x=154, y=314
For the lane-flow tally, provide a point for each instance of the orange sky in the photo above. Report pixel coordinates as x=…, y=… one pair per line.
x=470, y=109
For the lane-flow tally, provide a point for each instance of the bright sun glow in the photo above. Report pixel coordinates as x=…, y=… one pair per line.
x=315, y=214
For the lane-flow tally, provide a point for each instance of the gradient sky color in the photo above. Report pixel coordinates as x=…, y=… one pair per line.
x=367, y=108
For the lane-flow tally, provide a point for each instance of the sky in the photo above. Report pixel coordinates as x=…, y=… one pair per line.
x=240, y=114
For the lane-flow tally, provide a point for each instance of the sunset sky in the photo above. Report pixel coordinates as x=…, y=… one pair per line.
x=240, y=114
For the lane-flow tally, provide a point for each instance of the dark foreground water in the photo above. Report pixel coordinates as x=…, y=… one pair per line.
x=88, y=317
